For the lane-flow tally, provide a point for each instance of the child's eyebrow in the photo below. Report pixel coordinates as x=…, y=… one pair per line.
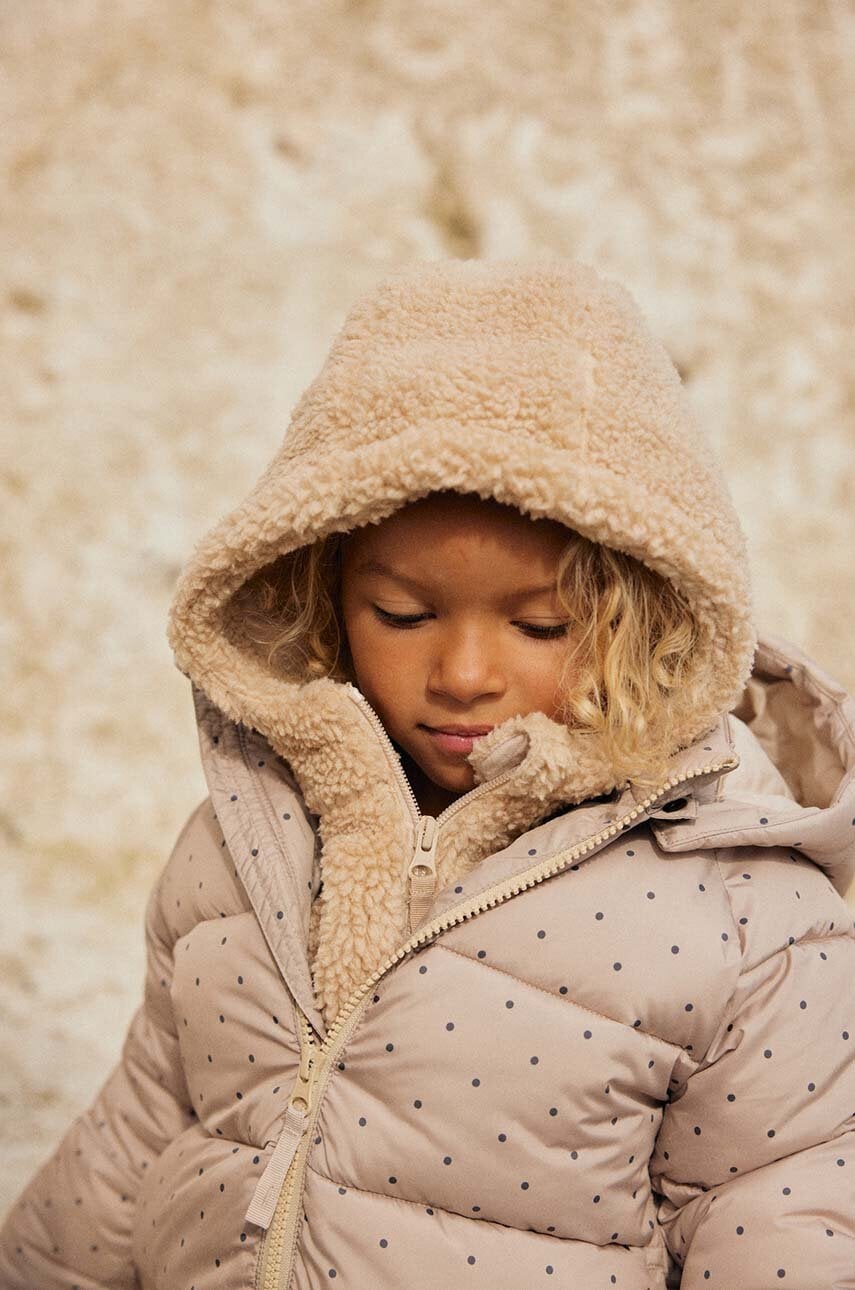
x=375, y=566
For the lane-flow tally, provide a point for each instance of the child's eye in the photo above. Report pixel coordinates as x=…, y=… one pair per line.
x=544, y=632
x=536, y=630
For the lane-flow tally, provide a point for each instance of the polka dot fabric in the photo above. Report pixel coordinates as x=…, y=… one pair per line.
x=638, y=1072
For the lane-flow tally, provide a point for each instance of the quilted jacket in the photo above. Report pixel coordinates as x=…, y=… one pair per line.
x=567, y=1033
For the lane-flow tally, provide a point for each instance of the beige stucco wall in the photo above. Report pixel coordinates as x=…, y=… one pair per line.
x=193, y=195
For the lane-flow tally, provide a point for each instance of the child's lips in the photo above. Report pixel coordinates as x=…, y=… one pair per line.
x=455, y=742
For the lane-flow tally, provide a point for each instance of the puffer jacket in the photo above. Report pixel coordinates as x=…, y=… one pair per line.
x=628, y=1032
x=570, y=1032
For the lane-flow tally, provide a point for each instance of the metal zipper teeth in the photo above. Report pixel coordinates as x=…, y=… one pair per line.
x=494, y=896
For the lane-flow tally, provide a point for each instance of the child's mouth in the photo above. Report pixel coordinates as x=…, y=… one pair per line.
x=455, y=742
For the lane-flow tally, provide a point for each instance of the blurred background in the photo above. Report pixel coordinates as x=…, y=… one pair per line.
x=193, y=195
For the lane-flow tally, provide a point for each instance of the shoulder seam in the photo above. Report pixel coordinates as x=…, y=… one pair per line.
x=153, y=903
x=735, y=927
x=848, y=934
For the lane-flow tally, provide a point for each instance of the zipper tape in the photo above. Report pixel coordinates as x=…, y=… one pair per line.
x=270, y=1183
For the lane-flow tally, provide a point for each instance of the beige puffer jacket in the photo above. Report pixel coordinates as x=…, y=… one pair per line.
x=568, y=1033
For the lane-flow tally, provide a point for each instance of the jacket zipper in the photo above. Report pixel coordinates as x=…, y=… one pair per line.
x=278, y=1248
x=274, y=1188
x=421, y=872
x=277, y=1178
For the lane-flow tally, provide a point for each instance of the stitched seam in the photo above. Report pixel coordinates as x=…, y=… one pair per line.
x=531, y=985
x=455, y=1213
x=255, y=878
x=801, y=940
x=753, y=1169
x=267, y=806
x=159, y=907
x=740, y=828
x=804, y=940
x=183, y=1096
x=205, y=922
x=721, y=782
x=735, y=926
x=258, y=876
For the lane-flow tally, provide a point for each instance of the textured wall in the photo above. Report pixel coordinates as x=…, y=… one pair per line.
x=194, y=194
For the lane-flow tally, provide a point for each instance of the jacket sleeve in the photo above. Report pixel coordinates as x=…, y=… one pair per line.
x=755, y=1155
x=72, y=1225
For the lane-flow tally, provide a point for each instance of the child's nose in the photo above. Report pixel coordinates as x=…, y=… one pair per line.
x=466, y=666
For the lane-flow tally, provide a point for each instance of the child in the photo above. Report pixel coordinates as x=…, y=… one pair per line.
x=510, y=946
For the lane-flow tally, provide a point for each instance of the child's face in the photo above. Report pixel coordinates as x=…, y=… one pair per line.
x=470, y=661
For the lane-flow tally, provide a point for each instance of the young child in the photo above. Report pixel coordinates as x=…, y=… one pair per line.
x=510, y=947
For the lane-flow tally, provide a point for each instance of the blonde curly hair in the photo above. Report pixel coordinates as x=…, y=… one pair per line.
x=621, y=678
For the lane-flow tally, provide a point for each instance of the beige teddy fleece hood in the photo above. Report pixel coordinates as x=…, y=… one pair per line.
x=535, y=382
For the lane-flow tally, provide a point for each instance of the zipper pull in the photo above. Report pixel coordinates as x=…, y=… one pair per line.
x=422, y=872
x=270, y=1183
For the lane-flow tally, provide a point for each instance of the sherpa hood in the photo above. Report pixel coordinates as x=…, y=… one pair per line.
x=535, y=383
x=538, y=384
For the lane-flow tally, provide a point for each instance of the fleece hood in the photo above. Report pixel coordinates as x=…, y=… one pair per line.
x=536, y=383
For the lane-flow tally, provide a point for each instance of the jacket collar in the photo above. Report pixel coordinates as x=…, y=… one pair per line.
x=345, y=779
